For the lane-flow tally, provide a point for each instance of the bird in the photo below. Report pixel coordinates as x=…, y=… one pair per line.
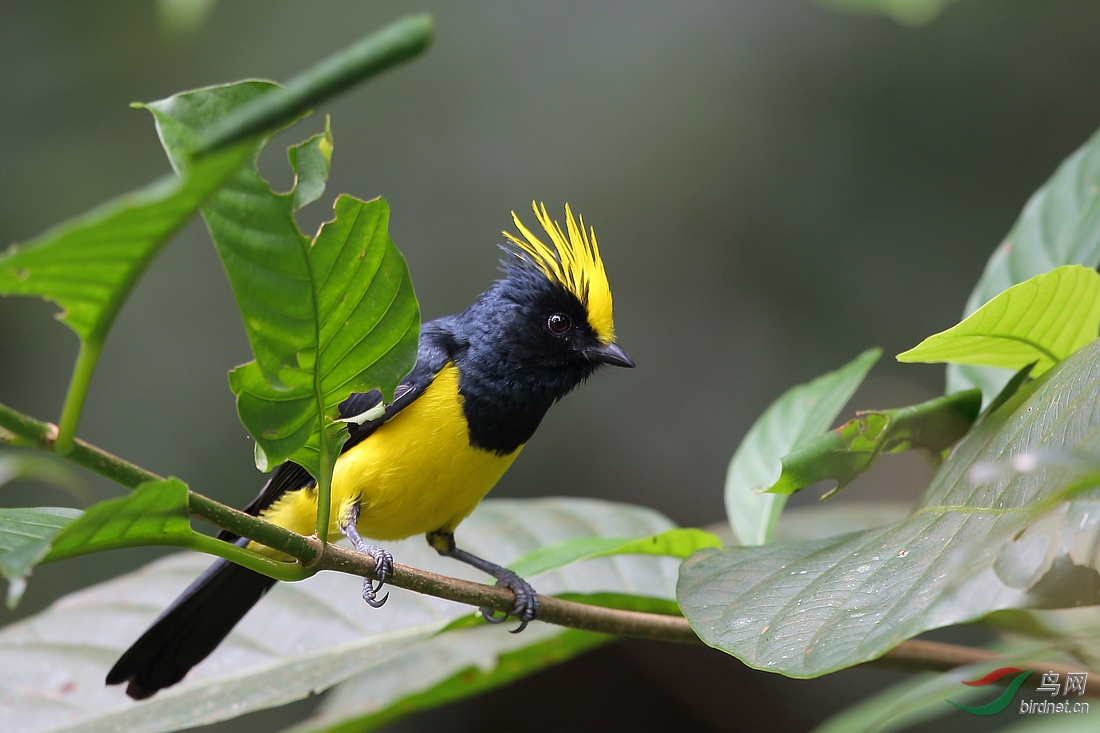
x=483, y=381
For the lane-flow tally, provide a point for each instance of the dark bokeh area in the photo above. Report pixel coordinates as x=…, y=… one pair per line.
x=775, y=187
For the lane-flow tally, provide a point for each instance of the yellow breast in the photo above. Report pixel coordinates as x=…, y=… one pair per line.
x=415, y=474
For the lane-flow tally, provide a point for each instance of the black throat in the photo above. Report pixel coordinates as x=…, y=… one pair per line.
x=509, y=377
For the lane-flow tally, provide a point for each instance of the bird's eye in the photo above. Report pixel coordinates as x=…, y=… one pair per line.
x=559, y=323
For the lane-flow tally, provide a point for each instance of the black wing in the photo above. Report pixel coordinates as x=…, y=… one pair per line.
x=436, y=347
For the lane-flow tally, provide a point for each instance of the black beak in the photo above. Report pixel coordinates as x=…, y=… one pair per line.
x=609, y=354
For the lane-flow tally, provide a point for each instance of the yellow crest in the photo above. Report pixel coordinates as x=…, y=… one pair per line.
x=574, y=263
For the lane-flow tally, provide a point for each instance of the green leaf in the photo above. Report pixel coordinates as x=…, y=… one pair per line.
x=89, y=265
x=811, y=607
x=310, y=161
x=367, y=324
x=324, y=318
x=1059, y=225
x=154, y=514
x=25, y=536
x=305, y=637
x=1077, y=474
x=842, y=454
x=673, y=543
x=626, y=602
x=799, y=415
x=1041, y=320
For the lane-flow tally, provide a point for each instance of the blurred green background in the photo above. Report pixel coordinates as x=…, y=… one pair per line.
x=775, y=186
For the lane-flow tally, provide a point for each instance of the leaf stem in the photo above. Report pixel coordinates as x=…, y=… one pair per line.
x=324, y=481
x=289, y=571
x=90, y=349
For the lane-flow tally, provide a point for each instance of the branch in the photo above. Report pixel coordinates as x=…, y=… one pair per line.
x=913, y=655
x=918, y=655
x=633, y=624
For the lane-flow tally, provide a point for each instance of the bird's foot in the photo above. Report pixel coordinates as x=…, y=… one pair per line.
x=383, y=561
x=383, y=567
x=527, y=601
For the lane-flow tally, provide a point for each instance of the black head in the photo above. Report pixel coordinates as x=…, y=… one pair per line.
x=535, y=335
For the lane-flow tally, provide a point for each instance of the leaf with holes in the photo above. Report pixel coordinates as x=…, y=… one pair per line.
x=367, y=322
x=253, y=228
x=930, y=428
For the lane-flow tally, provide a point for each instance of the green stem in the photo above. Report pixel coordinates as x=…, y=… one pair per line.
x=324, y=481
x=32, y=432
x=90, y=349
x=397, y=42
x=288, y=571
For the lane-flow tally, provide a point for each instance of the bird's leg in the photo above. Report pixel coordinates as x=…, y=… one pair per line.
x=527, y=600
x=383, y=561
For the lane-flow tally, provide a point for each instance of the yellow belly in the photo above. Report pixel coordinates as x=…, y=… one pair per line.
x=415, y=474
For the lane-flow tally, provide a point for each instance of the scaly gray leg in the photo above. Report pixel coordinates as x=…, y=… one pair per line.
x=383, y=561
x=527, y=600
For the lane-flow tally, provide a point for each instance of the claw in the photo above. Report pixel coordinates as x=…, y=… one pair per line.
x=526, y=606
x=527, y=601
x=383, y=561
x=491, y=617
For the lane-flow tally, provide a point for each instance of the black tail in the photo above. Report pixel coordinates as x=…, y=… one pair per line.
x=190, y=629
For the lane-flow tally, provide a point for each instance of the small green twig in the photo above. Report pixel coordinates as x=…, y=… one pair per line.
x=289, y=571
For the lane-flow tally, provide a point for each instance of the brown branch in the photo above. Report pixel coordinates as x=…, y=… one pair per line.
x=918, y=655
x=633, y=624
x=912, y=655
